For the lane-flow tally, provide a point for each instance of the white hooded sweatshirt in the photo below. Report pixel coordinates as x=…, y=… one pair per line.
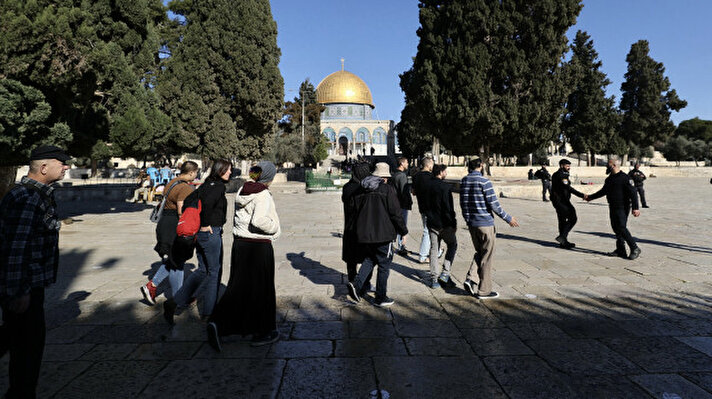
x=256, y=216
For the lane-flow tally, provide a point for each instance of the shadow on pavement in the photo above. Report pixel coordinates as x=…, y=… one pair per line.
x=691, y=248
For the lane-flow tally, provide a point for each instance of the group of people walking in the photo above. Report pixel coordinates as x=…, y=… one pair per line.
x=248, y=305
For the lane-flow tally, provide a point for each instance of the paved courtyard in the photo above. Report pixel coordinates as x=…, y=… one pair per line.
x=568, y=324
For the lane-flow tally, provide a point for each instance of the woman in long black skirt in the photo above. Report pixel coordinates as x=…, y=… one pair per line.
x=249, y=305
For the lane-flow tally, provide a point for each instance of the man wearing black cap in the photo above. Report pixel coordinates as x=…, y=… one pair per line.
x=561, y=191
x=29, y=250
x=638, y=177
x=545, y=178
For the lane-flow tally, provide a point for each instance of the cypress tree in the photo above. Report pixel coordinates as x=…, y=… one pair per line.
x=222, y=87
x=647, y=99
x=488, y=74
x=590, y=119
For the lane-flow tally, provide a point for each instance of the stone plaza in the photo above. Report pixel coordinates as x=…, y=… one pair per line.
x=568, y=323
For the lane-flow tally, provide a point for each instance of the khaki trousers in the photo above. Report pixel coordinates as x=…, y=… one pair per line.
x=483, y=241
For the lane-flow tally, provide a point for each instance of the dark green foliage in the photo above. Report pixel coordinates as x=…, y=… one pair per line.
x=590, y=120
x=414, y=138
x=676, y=149
x=221, y=86
x=314, y=149
x=25, y=123
x=647, y=99
x=695, y=129
x=82, y=56
x=487, y=74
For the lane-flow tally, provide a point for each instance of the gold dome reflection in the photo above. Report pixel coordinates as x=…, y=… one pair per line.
x=343, y=87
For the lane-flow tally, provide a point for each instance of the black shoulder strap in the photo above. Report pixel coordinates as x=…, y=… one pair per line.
x=173, y=185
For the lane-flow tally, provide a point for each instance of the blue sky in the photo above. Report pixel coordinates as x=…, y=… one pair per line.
x=378, y=40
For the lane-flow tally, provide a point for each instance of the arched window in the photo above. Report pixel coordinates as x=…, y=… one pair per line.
x=330, y=134
x=379, y=136
x=346, y=132
x=362, y=135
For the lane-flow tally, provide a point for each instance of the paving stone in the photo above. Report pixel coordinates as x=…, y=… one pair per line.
x=67, y=334
x=365, y=313
x=63, y=353
x=301, y=348
x=371, y=329
x=218, y=378
x=702, y=344
x=53, y=376
x=660, y=354
x=607, y=387
x=432, y=377
x=320, y=330
x=438, y=347
x=426, y=328
x=582, y=357
x=370, y=347
x=528, y=377
x=520, y=310
x=670, y=386
x=328, y=378
x=651, y=328
x=703, y=380
x=165, y=351
x=528, y=331
x=592, y=329
x=139, y=333
x=313, y=314
x=100, y=352
x=495, y=341
x=127, y=378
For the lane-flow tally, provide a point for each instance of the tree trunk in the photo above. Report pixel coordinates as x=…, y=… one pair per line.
x=436, y=150
x=94, y=167
x=7, y=179
x=592, y=159
x=485, y=160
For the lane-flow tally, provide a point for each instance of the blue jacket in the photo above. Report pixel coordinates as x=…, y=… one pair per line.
x=478, y=201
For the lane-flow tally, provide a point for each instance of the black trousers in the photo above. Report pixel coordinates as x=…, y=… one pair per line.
x=24, y=334
x=641, y=194
x=619, y=221
x=566, y=213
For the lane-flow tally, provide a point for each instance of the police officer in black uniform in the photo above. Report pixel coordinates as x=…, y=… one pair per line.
x=545, y=178
x=622, y=196
x=638, y=176
x=561, y=191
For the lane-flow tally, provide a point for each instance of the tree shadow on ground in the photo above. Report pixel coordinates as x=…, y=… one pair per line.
x=70, y=209
x=685, y=247
x=550, y=244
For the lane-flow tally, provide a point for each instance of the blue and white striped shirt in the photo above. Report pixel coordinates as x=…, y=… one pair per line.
x=478, y=201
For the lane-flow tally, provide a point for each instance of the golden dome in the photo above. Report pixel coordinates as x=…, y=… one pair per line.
x=343, y=87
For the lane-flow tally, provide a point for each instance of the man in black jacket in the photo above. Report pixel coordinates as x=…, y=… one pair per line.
x=378, y=219
x=561, y=191
x=351, y=253
x=545, y=178
x=400, y=183
x=442, y=225
x=421, y=180
x=638, y=177
x=621, y=196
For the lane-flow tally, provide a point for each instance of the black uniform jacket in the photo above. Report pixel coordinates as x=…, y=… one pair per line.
x=561, y=189
x=378, y=217
x=441, y=211
x=619, y=191
x=637, y=177
x=421, y=180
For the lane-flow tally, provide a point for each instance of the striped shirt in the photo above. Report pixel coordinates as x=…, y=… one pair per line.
x=29, y=238
x=478, y=201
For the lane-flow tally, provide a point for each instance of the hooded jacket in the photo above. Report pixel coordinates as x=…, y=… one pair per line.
x=440, y=210
x=255, y=213
x=378, y=214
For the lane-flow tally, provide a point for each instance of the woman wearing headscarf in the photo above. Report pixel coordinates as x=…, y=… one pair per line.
x=209, y=244
x=350, y=251
x=249, y=305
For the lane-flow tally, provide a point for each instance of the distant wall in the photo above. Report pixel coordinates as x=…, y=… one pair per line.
x=520, y=172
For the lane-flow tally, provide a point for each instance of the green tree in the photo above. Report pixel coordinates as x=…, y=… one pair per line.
x=488, y=74
x=695, y=129
x=676, y=149
x=590, y=119
x=647, y=99
x=314, y=148
x=82, y=56
x=223, y=65
x=414, y=138
x=25, y=123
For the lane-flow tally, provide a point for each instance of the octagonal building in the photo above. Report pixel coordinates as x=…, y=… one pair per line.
x=347, y=120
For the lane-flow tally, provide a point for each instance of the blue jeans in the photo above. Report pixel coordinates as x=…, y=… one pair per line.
x=425, y=242
x=209, y=250
x=376, y=254
x=399, y=238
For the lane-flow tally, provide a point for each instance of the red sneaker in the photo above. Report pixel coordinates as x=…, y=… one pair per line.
x=149, y=292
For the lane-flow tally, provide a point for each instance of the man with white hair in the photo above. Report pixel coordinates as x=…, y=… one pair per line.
x=622, y=196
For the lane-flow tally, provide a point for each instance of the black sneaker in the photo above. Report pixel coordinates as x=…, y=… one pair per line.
x=384, y=303
x=213, y=337
x=470, y=287
x=353, y=293
x=567, y=245
x=169, y=310
x=645, y=206
x=561, y=240
x=618, y=254
x=634, y=254
x=265, y=339
x=492, y=294
x=446, y=283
